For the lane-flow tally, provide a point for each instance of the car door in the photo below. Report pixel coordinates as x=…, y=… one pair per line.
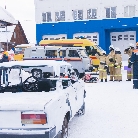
x=79, y=90
x=72, y=99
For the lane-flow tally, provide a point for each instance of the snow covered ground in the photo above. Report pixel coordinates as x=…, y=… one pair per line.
x=111, y=111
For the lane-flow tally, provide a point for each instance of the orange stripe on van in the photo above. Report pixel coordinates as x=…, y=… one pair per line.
x=72, y=59
x=93, y=57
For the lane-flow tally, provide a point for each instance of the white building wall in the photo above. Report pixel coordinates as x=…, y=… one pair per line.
x=69, y=5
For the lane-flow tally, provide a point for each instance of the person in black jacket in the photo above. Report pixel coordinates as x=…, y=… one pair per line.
x=134, y=61
x=4, y=59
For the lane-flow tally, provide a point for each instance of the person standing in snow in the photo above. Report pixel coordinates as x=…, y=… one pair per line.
x=129, y=51
x=134, y=62
x=103, y=66
x=117, y=65
x=110, y=62
x=4, y=58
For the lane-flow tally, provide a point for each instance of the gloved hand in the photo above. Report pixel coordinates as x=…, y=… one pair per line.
x=111, y=60
x=115, y=66
x=129, y=65
x=105, y=67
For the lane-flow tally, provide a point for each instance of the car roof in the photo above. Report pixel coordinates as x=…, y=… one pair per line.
x=34, y=63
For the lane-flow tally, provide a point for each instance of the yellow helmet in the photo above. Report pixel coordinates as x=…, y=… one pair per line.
x=137, y=44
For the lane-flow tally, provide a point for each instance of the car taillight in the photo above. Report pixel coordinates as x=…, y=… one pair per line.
x=33, y=118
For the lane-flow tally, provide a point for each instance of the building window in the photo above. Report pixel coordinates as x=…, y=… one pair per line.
x=60, y=16
x=129, y=11
x=14, y=35
x=92, y=14
x=46, y=17
x=125, y=37
x=78, y=14
x=111, y=12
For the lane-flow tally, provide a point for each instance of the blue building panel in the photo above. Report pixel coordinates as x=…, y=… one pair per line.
x=103, y=27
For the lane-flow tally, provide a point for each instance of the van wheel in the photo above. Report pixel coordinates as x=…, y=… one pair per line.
x=37, y=73
x=64, y=133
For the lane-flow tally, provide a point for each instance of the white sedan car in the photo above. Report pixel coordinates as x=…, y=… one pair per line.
x=39, y=107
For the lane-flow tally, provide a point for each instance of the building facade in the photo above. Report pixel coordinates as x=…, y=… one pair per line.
x=102, y=21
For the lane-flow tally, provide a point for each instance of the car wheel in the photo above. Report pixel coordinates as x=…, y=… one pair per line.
x=64, y=133
x=82, y=110
x=37, y=73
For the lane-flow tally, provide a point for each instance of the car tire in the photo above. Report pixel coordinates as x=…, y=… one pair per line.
x=64, y=133
x=37, y=73
x=82, y=110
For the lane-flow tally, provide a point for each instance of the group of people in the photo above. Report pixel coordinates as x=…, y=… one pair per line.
x=113, y=61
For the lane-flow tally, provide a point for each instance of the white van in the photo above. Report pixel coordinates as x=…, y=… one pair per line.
x=76, y=56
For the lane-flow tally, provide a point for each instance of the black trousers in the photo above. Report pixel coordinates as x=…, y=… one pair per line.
x=135, y=75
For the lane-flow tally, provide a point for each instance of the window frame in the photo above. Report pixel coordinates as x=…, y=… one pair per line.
x=46, y=17
x=128, y=11
x=111, y=14
x=91, y=9
x=77, y=19
x=61, y=19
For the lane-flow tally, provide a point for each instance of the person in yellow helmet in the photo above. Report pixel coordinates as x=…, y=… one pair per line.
x=129, y=51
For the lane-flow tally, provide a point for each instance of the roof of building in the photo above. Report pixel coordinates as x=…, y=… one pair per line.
x=5, y=16
x=6, y=35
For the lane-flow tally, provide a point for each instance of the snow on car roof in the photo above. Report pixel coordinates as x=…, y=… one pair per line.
x=37, y=63
x=34, y=63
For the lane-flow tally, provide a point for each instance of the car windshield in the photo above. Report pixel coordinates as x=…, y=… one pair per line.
x=19, y=78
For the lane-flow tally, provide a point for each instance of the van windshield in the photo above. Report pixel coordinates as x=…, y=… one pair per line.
x=90, y=50
x=19, y=50
x=83, y=53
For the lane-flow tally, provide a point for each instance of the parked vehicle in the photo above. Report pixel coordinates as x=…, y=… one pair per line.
x=39, y=107
x=91, y=47
x=89, y=78
x=19, y=51
x=76, y=56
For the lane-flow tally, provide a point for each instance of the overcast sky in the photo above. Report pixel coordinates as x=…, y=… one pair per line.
x=22, y=10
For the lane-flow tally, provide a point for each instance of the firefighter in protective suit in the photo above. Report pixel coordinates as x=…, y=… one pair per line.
x=129, y=51
x=117, y=65
x=103, y=66
x=110, y=62
x=134, y=62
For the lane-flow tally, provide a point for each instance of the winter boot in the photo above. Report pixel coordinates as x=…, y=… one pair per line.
x=101, y=80
x=105, y=80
